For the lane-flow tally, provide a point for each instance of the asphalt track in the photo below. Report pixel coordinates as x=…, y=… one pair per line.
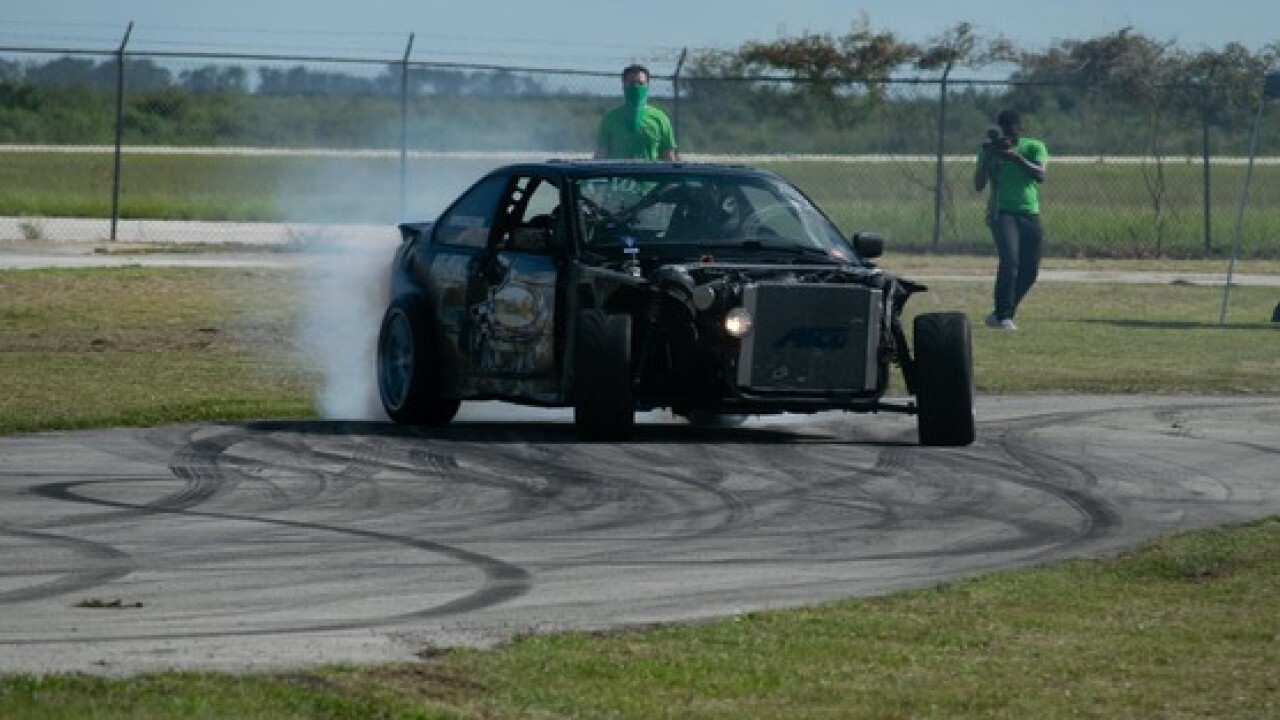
x=287, y=544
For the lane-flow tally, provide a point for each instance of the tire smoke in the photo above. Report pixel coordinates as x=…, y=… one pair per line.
x=344, y=287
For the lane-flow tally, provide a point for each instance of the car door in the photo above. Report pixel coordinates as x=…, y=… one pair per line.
x=512, y=295
x=461, y=234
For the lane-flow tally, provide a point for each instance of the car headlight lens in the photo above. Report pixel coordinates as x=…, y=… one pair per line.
x=737, y=322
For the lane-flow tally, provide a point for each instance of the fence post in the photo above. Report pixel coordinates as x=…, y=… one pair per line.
x=942, y=148
x=115, y=175
x=1270, y=89
x=404, y=130
x=1207, y=182
x=675, y=102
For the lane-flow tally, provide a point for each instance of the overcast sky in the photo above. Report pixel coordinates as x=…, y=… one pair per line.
x=599, y=34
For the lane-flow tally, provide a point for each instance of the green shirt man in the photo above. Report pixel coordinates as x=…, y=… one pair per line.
x=636, y=130
x=1015, y=166
x=1017, y=190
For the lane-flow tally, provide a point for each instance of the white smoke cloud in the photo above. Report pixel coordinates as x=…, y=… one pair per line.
x=344, y=284
x=344, y=288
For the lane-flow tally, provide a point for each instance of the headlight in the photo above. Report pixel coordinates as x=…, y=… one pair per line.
x=737, y=322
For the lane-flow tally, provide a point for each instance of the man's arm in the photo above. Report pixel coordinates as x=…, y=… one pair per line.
x=667, y=141
x=1033, y=166
x=1035, y=171
x=983, y=170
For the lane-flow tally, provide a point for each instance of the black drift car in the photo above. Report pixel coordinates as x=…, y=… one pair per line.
x=717, y=292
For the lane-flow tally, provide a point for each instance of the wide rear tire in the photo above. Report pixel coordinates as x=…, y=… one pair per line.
x=604, y=406
x=944, y=379
x=410, y=381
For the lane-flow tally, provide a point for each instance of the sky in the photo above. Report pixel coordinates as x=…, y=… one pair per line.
x=599, y=34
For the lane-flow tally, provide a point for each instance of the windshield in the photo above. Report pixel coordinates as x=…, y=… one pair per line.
x=703, y=211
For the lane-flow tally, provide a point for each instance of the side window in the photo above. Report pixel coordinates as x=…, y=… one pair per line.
x=532, y=216
x=470, y=220
x=545, y=200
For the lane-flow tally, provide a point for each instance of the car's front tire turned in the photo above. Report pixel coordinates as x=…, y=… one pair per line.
x=944, y=379
x=410, y=381
x=604, y=404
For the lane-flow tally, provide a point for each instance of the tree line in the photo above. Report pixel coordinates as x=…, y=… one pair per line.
x=862, y=91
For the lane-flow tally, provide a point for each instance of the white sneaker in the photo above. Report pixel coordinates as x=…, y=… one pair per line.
x=996, y=323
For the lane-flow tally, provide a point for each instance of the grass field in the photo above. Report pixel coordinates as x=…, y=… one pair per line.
x=1091, y=208
x=134, y=346
x=1185, y=627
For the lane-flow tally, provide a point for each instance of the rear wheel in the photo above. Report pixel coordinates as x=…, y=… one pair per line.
x=604, y=406
x=409, y=379
x=944, y=379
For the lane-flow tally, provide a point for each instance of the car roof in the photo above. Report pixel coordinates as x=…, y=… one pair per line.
x=588, y=168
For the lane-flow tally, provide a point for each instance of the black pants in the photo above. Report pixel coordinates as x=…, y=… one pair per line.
x=1019, y=242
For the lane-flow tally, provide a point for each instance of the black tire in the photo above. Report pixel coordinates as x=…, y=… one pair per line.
x=604, y=406
x=944, y=379
x=410, y=382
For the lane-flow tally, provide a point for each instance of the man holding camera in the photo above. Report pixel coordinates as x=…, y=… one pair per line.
x=1014, y=166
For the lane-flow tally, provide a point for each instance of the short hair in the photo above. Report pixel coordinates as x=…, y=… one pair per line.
x=1007, y=118
x=637, y=68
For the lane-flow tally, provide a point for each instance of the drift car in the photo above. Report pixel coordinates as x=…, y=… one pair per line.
x=609, y=287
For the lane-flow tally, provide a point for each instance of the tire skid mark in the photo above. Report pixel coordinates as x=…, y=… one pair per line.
x=434, y=461
x=286, y=482
x=827, y=502
x=848, y=471
x=502, y=581
x=920, y=495
x=108, y=564
x=498, y=492
x=202, y=482
x=688, y=466
x=905, y=510
x=1096, y=514
x=494, y=471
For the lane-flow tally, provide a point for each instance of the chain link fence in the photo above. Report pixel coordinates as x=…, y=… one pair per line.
x=186, y=147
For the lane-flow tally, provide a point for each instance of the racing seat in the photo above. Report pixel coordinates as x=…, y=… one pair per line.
x=538, y=234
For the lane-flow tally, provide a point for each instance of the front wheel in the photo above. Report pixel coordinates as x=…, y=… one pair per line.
x=944, y=379
x=410, y=382
x=604, y=406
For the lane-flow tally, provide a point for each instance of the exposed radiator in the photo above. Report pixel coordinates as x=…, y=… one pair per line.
x=811, y=337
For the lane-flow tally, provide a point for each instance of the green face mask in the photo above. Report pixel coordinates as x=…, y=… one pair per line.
x=636, y=96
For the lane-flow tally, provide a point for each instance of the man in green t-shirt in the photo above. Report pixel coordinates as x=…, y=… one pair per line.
x=636, y=130
x=1015, y=167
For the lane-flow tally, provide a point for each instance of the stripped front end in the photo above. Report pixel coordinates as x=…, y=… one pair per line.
x=762, y=339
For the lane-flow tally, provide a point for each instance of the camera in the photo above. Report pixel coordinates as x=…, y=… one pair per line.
x=996, y=140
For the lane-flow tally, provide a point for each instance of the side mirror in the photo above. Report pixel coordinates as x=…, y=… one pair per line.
x=868, y=244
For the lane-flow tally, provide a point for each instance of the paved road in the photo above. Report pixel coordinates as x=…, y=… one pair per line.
x=278, y=544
